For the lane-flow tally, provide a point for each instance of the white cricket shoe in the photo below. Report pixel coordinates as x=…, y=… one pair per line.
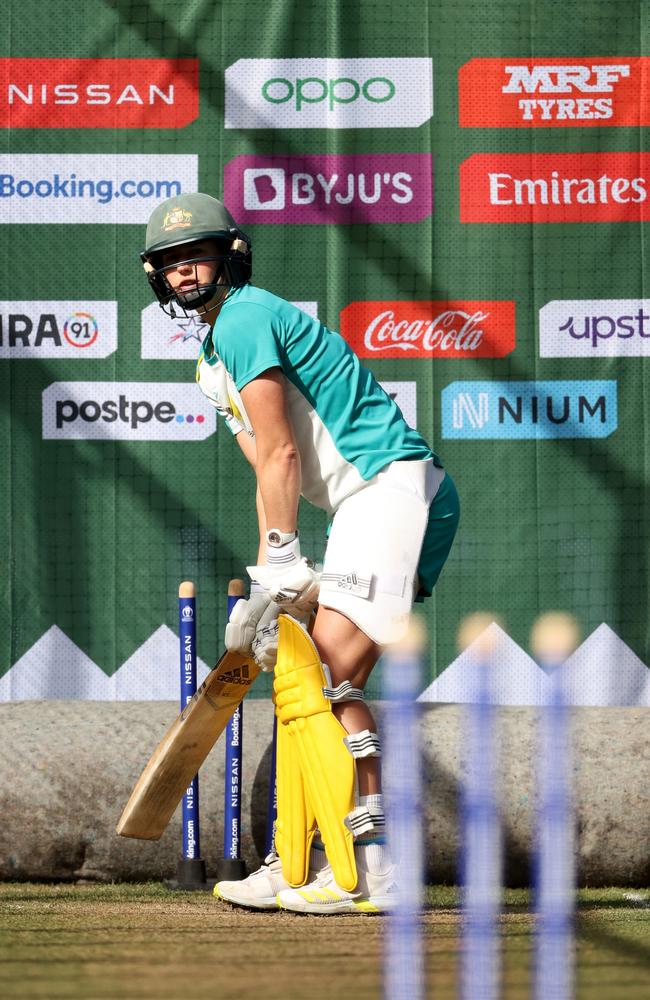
x=259, y=891
x=373, y=894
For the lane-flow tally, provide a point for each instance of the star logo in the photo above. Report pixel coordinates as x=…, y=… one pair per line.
x=191, y=329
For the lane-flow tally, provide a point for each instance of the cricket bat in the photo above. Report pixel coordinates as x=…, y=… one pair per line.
x=182, y=750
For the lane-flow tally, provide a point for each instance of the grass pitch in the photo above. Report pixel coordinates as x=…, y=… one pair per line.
x=140, y=941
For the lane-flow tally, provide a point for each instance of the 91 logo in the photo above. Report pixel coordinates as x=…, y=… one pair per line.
x=80, y=329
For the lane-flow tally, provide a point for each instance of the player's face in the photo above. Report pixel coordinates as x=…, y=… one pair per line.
x=185, y=276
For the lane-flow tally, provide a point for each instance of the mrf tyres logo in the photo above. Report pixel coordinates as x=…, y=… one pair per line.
x=441, y=329
x=61, y=329
x=126, y=411
x=555, y=187
x=98, y=93
x=330, y=188
x=560, y=92
x=329, y=93
x=517, y=410
x=88, y=188
x=595, y=328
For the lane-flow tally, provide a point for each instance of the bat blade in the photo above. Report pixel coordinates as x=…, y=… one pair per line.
x=184, y=747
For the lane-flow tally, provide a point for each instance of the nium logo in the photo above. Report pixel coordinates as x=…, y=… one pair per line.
x=88, y=188
x=595, y=328
x=555, y=187
x=546, y=93
x=520, y=410
x=442, y=329
x=60, y=329
x=126, y=411
x=98, y=93
x=368, y=188
x=329, y=93
x=163, y=338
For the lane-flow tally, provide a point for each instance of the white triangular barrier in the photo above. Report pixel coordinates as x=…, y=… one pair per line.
x=513, y=677
x=55, y=667
x=152, y=672
x=604, y=671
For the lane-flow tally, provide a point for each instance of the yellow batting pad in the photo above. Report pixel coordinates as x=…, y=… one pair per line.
x=310, y=735
x=296, y=823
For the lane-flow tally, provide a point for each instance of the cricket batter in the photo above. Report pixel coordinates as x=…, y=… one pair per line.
x=312, y=421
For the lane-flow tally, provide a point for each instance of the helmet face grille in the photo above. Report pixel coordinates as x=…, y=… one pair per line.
x=233, y=270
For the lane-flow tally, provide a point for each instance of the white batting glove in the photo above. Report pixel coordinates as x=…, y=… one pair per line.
x=294, y=588
x=245, y=617
x=265, y=643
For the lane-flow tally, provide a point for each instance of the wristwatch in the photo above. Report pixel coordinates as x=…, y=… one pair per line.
x=277, y=538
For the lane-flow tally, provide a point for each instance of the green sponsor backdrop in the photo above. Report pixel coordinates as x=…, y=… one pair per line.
x=97, y=534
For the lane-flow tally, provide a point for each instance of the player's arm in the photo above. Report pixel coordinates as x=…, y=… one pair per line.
x=249, y=450
x=277, y=458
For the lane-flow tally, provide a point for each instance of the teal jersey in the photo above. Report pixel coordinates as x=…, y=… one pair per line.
x=347, y=428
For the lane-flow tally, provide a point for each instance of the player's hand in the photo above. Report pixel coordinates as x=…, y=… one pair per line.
x=265, y=643
x=244, y=621
x=294, y=588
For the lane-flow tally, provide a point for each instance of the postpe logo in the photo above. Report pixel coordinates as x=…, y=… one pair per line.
x=378, y=187
x=126, y=411
x=60, y=329
x=595, y=328
x=329, y=93
x=533, y=410
x=98, y=93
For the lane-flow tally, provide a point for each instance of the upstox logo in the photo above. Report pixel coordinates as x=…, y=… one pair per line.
x=61, y=329
x=516, y=410
x=329, y=93
x=595, y=328
x=126, y=411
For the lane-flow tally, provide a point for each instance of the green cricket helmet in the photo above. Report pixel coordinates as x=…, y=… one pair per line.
x=187, y=219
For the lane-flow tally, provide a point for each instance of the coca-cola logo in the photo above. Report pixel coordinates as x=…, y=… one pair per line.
x=430, y=329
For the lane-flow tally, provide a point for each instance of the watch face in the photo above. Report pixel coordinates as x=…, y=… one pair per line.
x=273, y=538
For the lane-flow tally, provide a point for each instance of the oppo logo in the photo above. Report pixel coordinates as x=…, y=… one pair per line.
x=314, y=90
x=329, y=93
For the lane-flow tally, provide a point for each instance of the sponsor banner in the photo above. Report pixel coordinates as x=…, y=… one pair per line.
x=595, y=328
x=554, y=93
x=555, y=187
x=376, y=187
x=126, y=411
x=88, y=187
x=167, y=339
x=405, y=395
x=62, y=329
x=517, y=410
x=98, y=93
x=442, y=329
x=329, y=93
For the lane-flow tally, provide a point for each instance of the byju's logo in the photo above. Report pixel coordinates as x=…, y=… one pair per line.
x=376, y=187
x=329, y=93
x=61, y=329
x=595, y=328
x=492, y=410
x=126, y=411
x=166, y=339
